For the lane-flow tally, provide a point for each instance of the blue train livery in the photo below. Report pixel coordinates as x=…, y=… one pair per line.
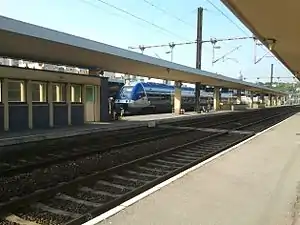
x=149, y=97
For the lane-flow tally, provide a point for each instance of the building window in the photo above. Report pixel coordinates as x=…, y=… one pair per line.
x=39, y=92
x=76, y=93
x=16, y=91
x=59, y=92
x=90, y=93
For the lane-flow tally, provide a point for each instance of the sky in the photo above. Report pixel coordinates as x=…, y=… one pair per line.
x=152, y=22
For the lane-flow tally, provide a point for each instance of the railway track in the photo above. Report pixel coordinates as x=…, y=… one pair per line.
x=243, y=124
x=24, y=183
x=38, y=174
x=33, y=160
x=78, y=200
x=45, y=154
x=233, y=119
x=238, y=120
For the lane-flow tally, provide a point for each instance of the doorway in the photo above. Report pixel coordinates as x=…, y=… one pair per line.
x=90, y=109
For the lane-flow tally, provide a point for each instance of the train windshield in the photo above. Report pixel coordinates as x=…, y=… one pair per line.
x=126, y=91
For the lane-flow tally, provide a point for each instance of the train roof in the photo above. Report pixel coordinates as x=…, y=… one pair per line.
x=163, y=86
x=159, y=85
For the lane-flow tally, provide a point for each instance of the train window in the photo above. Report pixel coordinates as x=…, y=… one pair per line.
x=75, y=93
x=38, y=91
x=16, y=91
x=126, y=91
x=150, y=94
x=157, y=95
x=224, y=90
x=154, y=95
x=165, y=96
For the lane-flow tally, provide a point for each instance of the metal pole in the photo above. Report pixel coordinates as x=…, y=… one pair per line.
x=213, y=55
x=199, y=38
x=198, y=56
x=254, y=40
x=271, y=83
x=272, y=74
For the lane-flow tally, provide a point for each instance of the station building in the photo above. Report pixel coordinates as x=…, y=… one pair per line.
x=39, y=99
x=36, y=99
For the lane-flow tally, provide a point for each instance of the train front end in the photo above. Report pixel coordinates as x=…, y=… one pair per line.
x=131, y=99
x=123, y=99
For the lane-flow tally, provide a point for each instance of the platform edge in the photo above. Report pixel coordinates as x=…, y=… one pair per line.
x=139, y=197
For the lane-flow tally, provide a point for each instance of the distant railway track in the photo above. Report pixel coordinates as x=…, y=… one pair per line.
x=26, y=163
x=84, y=200
x=58, y=150
x=77, y=200
x=236, y=121
x=53, y=153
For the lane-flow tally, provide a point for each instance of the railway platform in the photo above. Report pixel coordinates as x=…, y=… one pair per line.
x=9, y=138
x=254, y=183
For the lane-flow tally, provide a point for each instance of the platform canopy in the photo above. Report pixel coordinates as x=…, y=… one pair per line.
x=31, y=42
x=276, y=24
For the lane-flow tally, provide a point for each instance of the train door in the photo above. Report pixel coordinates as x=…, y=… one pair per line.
x=142, y=98
x=90, y=109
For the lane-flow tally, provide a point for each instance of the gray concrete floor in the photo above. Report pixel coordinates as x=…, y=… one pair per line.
x=256, y=184
x=170, y=115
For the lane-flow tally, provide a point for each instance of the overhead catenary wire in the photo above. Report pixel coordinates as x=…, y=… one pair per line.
x=142, y=19
x=123, y=16
x=172, y=44
x=92, y=4
x=227, y=17
x=242, y=30
x=226, y=54
x=267, y=52
x=168, y=13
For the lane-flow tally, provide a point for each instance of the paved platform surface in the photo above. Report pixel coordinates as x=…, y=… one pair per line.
x=9, y=138
x=257, y=183
x=151, y=117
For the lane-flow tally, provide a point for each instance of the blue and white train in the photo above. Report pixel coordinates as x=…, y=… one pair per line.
x=148, y=97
